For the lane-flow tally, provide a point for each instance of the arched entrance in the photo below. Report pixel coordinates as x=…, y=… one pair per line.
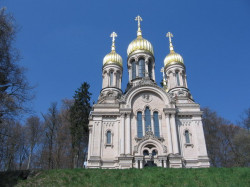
x=150, y=163
x=150, y=151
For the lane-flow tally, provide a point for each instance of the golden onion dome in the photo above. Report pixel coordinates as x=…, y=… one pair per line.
x=172, y=57
x=140, y=43
x=113, y=57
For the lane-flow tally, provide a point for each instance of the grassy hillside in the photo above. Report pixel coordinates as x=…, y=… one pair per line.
x=144, y=177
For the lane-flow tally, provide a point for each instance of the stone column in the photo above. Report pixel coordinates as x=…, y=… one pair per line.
x=167, y=82
x=160, y=125
x=186, y=81
x=174, y=80
x=120, y=81
x=128, y=135
x=90, y=143
x=137, y=68
x=146, y=69
x=137, y=164
x=103, y=79
x=170, y=144
x=143, y=125
x=141, y=164
x=174, y=134
x=130, y=72
x=181, y=79
x=101, y=142
x=114, y=79
x=153, y=71
x=152, y=124
x=165, y=163
x=171, y=80
x=122, y=134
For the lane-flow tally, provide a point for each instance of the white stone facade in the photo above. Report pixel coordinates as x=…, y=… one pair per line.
x=146, y=125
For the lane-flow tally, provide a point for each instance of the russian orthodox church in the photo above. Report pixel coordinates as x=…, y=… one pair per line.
x=146, y=125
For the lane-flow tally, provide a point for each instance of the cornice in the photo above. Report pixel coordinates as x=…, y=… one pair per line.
x=191, y=113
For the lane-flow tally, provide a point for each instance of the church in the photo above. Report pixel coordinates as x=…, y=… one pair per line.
x=147, y=124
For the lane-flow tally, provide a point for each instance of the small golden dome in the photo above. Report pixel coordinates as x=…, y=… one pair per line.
x=172, y=57
x=140, y=43
x=113, y=57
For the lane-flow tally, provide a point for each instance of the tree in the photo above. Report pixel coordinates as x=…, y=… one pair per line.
x=228, y=145
x=242, y=147
x=211, y=123
x=245, y=119
x=33, y=131
x=14, y=88
x=79, y=114
x=242, y=140
x=50, y=127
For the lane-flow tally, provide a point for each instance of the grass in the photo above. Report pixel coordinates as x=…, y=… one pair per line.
x=238, y=177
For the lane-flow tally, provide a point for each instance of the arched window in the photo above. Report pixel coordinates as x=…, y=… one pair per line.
x=145, y=153
x=156, y=124
x=154, y=152
x=187, y=136
x=139, y=125
x=118, y=80
x=177, y=78
x=108, y=137
x=147, y=119
x=150, y=69
x=111, y=75
x=133, y=70
x=141, y=67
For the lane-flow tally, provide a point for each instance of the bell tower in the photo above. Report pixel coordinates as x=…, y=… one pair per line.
x=174, y=76
x=141, y=61
x=112, y=73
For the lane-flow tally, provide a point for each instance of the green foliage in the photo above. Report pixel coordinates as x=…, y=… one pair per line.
x=142, y=177
x=79, y=114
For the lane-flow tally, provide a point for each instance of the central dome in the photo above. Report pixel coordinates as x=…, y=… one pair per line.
x=140, y=44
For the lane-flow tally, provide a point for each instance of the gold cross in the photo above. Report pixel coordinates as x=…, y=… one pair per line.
x=169, y=35
x=113, y=36
x=139, y=19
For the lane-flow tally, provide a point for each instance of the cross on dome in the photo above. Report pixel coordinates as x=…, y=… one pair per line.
x=170, y=36
x=139, y=19
x=113, y=36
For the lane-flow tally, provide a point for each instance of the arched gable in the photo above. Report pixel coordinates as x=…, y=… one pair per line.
x=133, y=92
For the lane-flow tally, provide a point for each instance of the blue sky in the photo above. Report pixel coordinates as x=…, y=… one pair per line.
x=63, y=42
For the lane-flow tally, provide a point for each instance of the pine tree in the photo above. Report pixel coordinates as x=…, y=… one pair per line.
x=79, y=114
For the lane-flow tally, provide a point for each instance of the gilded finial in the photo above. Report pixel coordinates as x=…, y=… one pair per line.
x=170, y=36
x=113, y=36
x=139, y=19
